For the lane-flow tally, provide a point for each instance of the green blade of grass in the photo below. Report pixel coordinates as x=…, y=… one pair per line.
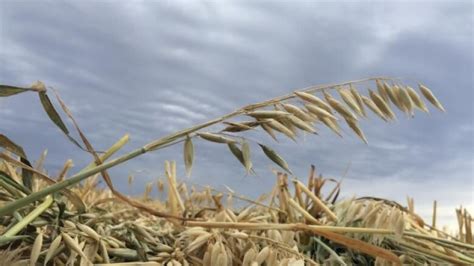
x=9, y=180
x=29, y=218
x=88, y=171
x=6, y=90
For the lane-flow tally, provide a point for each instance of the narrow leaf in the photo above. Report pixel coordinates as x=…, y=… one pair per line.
x=6, y=90
x=272, y=155
x=18, y=150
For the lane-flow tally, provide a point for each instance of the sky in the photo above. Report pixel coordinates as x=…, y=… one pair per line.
x=150, y=68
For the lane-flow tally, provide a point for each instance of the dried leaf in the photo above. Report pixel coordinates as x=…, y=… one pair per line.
x=38, y=86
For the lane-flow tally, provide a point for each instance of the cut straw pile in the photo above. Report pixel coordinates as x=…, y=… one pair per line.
x=294, y=224
x=69, y=220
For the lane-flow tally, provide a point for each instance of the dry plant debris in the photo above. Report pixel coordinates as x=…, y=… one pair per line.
x=70, y=220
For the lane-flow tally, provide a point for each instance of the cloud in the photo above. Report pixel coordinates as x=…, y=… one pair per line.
x=152, y=68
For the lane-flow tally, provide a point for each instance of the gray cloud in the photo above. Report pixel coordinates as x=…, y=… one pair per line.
x=151, y=68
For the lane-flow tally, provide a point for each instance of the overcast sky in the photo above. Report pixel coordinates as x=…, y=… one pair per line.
x=152, y=68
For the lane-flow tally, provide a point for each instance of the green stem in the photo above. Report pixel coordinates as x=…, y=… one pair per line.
x=15, y=205
x=86, y=172
x=29, y=218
